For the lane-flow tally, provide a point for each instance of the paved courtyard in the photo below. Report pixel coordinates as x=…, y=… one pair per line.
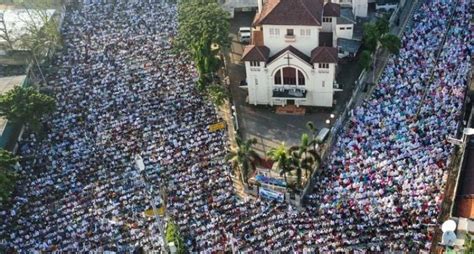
x=262, y=122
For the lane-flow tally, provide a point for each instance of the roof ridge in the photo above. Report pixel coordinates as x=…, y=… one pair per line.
x=259, y=51
x=269, y=11
x=310, y=13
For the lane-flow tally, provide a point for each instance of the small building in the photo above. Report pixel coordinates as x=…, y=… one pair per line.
x=292, y=58
x=360, y=8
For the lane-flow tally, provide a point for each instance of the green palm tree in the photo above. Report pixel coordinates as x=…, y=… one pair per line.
x=304, y=157
x=282, y=157
x=244, y=158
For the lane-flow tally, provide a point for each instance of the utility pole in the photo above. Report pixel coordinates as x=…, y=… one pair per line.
x=159, y=222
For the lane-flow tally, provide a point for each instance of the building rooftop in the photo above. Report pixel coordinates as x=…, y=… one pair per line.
x=255, y=53
x=346, y=17
x=293, y=50
x=351, y=46
x=465, y=192
x=324, y=55
x=331, y=10
x=290, y=12
x=7, y=84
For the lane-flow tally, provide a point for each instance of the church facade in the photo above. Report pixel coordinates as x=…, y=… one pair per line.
x=292, y=58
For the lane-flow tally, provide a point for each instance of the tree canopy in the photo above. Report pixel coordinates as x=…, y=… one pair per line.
x=201, y=24
x=203, y=30
x=26, y=105
x=244, y=157
x=365, y=59
x=172, y=235
x=378, y=32
x=7, y=176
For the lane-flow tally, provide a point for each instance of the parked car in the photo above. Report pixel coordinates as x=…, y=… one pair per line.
x=244, y=34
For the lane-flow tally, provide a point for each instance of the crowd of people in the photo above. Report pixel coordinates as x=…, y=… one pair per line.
x=384, y=181
x=122, y=90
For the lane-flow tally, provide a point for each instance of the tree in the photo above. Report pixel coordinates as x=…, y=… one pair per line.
x=244, y=158
x=206, y=63
x=391, y=43
x=43, y=37
x=200, y=20
x=173, y=235
x=26, y=105
x=202, y=25
x=378, y=32
x=365, y=59
x=371, y=36
x=468, y=244
x=5, y=32
x=281, y=156
x=217, y=94
x=304, y=158
x=7, y=176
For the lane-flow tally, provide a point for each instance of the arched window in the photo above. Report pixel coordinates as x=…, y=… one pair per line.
x=300, y=78
x=278, y=78
x=289, y=76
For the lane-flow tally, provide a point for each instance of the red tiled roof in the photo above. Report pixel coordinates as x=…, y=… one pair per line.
x=293, y=50
x=332, y=10
x=255, y=53
x=290, y=12
x=324, y=55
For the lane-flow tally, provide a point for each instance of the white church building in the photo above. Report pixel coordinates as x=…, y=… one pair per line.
x=293, y=54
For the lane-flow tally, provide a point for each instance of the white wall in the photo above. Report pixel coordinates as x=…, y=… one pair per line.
x=360, y=8
x=260, y=83
x=303, y=43
x=257, y=84
x=344, y=31
x=327, y=26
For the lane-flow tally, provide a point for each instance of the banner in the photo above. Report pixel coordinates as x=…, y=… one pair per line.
x=270, y=180
x=216, y=126
x=159, y=211
x=271, y=195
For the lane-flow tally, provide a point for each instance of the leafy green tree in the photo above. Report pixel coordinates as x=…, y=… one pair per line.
x=7, y=176
x=281, y=156
x=203, y=30
x=371, y=36
x=244, y=158
x=173, y=235
x=206, y=63
x=200, y=20
x=378, y=32
x=468, y=244
x=26, y=105
x=382, y=25
x=217, y=94
x=365, y=59
x=391, y=43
